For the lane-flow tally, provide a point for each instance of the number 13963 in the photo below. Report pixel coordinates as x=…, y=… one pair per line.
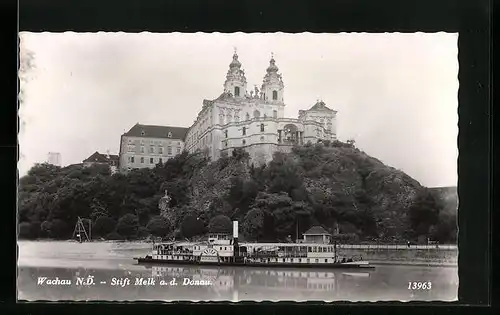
x=417, y=285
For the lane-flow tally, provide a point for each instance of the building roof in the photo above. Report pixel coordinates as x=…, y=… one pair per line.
x=321, y=106
x=97, y=157
x=317, y=230
x=151, y=131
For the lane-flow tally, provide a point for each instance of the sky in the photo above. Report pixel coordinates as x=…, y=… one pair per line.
x=396, y=94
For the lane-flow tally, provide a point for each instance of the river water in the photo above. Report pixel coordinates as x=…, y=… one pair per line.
x=111, y=264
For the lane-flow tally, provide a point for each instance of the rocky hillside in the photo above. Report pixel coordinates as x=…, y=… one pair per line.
x=333, y=183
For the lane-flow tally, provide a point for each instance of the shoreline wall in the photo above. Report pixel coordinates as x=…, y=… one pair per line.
x=408, y=256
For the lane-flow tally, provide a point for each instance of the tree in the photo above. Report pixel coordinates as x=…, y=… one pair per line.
x=41, y=173
x=60, y=229
x=220, y=224
x=178, y=189
x=241, y=193
x=45, y=228
x=98, y=210
x=192, y=226
x=26, y=231
x=280, y=214
x=158, y=226
x=253, y=225
x=283, y=175
x=57, y=229
x=424, y=213
x=445, y=231
x=219, y=206
x=128, y=225
x=240, y=154
x=103, y=225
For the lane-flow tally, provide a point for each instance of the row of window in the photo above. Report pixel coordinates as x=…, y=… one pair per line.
x=169, y=134
x=154, y=142
x=310, y=249
x=237, y=93
x=131, y=159
x=131, y=148
x=320, y=249
x=244, y=130
x=256, y=114
x=319, y=132
x=243, y=142
x=196, y=134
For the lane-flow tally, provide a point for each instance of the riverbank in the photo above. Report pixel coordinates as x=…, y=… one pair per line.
x=443, y=256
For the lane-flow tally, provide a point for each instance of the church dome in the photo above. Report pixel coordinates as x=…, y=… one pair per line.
x=272, y=66
x=235, y=63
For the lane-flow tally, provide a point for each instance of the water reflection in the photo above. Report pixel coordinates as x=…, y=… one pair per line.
x=105, y=261
x=235, y=284
x=281, y=279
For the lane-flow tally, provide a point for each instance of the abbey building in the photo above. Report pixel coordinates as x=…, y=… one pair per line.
x=239, y=118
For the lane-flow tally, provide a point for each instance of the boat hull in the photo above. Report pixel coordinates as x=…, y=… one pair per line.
x=349, y=265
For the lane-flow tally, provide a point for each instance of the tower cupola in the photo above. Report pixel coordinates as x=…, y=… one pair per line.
x=236, y=82
x=273, y=86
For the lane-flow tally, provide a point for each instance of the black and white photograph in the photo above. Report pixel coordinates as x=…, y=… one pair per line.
x=238, y=167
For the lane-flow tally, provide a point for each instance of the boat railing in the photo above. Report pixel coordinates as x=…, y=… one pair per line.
x=175, y=253
x=279, y=255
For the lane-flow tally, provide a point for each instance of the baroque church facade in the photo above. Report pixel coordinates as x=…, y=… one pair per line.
x=239, y=118
x=254, y=119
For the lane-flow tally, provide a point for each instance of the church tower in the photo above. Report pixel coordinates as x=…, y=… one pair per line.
x=272, y=87
x=235, y=83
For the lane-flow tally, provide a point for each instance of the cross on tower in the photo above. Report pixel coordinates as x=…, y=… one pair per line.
x=235, y=50
x=272, y=55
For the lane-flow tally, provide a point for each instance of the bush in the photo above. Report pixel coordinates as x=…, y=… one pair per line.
x=240, y=154
x=114, y=236
x=158, y=226
x=128, y=225
x=103, y=226
x=56, y=228
x=26, y=231
x=45, y=227
x=143, y=232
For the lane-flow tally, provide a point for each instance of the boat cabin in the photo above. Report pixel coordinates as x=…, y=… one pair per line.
x=220, y=238
x=317, y=235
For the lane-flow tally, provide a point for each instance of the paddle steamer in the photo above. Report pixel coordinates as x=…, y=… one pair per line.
x=223, y=250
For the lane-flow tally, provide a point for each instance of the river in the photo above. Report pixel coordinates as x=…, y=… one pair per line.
x=111, y=264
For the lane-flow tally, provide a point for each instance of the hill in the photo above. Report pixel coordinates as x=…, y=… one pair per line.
x=332, y=184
